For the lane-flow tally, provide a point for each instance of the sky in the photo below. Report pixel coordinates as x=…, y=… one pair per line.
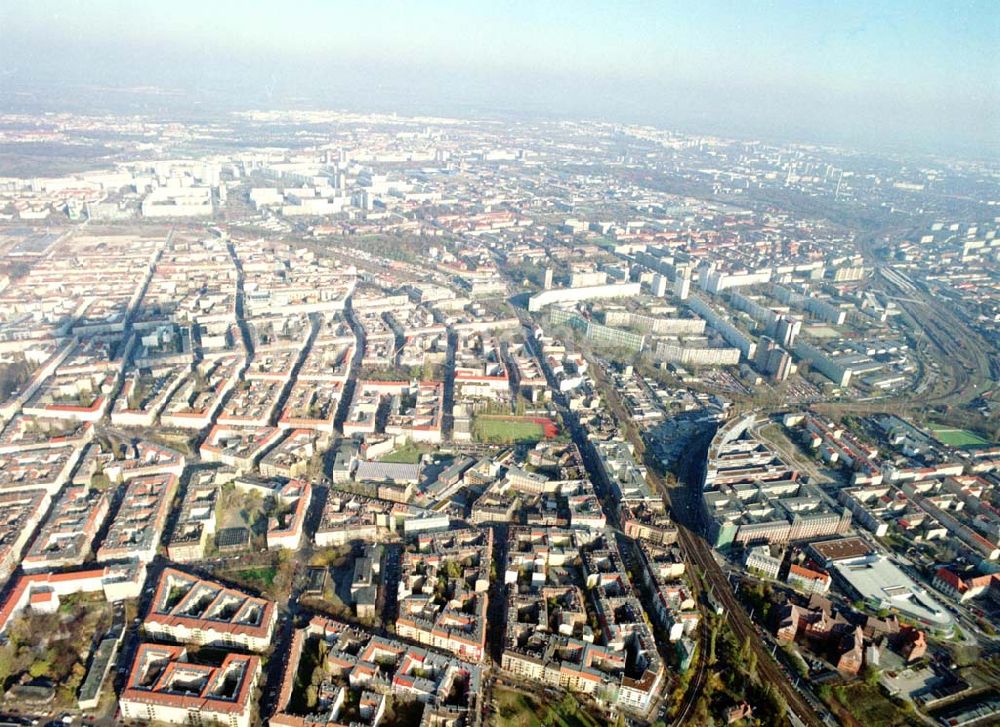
x=917, y=75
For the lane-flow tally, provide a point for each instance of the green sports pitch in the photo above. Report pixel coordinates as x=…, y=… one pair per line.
x=506, y=430
x=957, y=437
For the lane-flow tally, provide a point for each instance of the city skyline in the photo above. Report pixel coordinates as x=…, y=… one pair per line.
x=918, y=77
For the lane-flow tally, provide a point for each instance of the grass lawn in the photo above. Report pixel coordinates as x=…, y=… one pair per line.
x=518, y=710
x=870, y=707
x=504, y=430
x=260, y=578
x=409, y=453
x=957, y=437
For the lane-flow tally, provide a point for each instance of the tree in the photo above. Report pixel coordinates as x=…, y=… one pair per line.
x=100, y=481
x=13, y=375
x=8, y=659
x=77, y=673
x=700, y=714
x=777, y=703
x=452, y=569
x=317, y=675
x=801, y=668
x=870, y=675
x=569, y=704
x=713, y=682
x=40, y=668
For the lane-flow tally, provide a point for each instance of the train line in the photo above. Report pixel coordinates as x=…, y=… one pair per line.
x=959, y=348
x=697, y=551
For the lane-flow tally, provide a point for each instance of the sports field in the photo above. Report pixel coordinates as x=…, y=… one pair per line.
x=956, y=437
x=508, y=430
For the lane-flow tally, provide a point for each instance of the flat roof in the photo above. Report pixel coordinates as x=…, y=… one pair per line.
x=841, y=549
x=387, y=472
x=231, y=537
x=879, y=580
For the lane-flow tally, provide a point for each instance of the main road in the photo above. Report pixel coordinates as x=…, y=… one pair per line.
x=602, y=486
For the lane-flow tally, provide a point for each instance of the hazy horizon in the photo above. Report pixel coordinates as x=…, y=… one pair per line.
x=916, y=77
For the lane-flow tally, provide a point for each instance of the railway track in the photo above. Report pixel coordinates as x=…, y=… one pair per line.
x=696, y=550
x=962, y=351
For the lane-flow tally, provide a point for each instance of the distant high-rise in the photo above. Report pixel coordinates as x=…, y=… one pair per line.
x=548, y=278
x=659, y=285
x=779, y=364
x=587, y=278
x=682, y=284
x=786, y=329
x=772, y=360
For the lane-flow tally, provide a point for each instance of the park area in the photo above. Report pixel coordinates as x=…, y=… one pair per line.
x=267, y=574
x=517, y=709
x=48, y=652
x=961, y=438
x=863, y=704
x=260, y=578
x=493, y=429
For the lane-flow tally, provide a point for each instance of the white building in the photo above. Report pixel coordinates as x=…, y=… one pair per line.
x=760, y=559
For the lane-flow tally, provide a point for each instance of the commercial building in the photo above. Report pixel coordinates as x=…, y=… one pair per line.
x=966, y=587
x=238, y=446
x=752, y=497
x=654, y=324
x=178, y=202
x=600, y=334
x=20, y=513
x=42, y=591
x=285, y=530
x=367, y=668
x=554, y=645
x=807, y=579
x=881, y=584
x=721, y=322
x=454, y=621
x=759, y=559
